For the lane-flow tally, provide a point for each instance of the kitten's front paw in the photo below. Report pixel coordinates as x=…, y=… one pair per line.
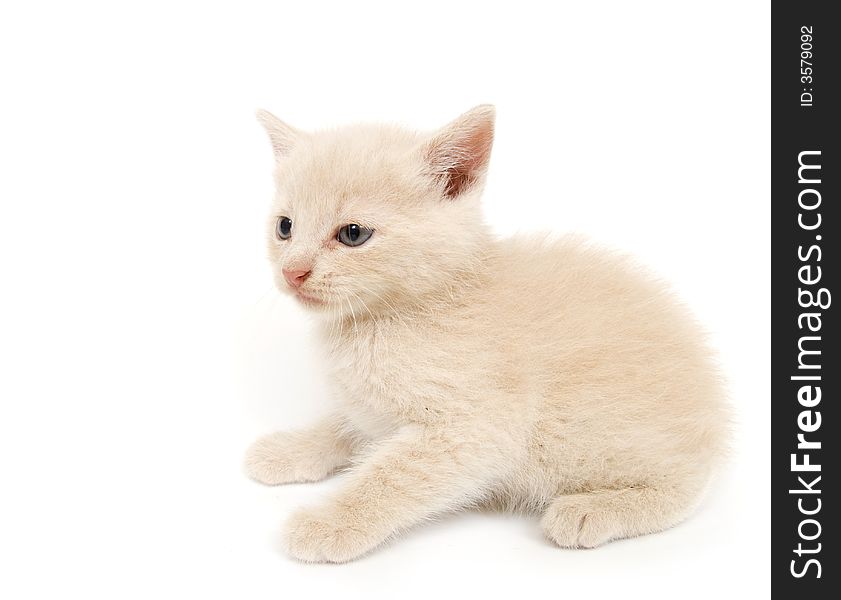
x=273, y=459
x=326, y=536
x=265, y=462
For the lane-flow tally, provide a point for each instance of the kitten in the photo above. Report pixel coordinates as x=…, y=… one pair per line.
x=470, y=371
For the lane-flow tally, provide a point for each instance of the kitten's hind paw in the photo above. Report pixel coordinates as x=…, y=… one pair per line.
x=590, y=519
x=572, y=525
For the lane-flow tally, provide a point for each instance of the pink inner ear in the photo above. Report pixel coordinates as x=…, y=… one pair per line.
x=461, y=155
x=458, y=180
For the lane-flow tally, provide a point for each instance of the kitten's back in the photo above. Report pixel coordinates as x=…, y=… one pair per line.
x=628, y=380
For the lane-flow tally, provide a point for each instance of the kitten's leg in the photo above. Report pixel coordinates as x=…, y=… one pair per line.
x=407, y=479
x=586, y=520
x=294, y=456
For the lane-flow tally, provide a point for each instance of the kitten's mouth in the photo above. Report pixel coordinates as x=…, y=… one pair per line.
x=308, y=300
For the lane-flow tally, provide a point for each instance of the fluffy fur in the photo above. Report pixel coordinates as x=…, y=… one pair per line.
x=549, y=376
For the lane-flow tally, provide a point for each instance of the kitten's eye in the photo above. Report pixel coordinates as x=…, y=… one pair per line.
x=354, y=235
x=283, y=229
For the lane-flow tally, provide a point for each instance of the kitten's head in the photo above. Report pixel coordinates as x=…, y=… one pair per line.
x=368, y=217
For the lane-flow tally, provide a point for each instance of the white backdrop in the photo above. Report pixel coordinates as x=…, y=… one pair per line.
x=142, y=345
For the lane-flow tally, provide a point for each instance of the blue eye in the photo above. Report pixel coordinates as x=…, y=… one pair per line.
x=354, y=235
x=283, y=229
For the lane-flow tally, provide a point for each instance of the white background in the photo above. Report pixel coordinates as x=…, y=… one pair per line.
x=143, y=347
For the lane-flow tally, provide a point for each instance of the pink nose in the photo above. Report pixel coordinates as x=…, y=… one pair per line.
x=295, y=277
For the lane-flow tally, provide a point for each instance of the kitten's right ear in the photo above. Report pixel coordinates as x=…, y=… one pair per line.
x=281, y=135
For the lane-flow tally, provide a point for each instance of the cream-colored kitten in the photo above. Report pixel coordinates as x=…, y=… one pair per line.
x=520, y=373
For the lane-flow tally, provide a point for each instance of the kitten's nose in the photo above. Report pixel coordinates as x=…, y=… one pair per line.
x=295, y=277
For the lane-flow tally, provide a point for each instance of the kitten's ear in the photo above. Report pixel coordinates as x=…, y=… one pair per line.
x=281, y=135
x=458, y=154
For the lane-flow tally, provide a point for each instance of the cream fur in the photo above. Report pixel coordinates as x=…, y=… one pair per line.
x=521, y=373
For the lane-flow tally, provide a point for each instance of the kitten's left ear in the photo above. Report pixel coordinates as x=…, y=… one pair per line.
x=458, y=154
x=281, y=135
